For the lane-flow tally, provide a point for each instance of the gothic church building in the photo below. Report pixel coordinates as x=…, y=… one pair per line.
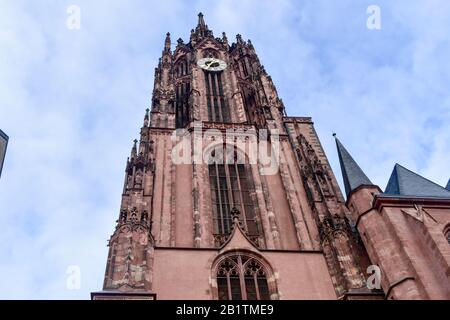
x=206, y=228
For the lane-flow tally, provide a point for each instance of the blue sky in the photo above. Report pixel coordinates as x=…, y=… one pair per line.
x=72, y=101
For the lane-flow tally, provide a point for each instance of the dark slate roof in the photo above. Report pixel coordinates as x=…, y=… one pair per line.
x=407, y=183
x=448, y=185
x=352, y=174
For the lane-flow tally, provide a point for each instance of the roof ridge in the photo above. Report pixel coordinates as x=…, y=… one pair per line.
x=419, y=175
x=404, y=181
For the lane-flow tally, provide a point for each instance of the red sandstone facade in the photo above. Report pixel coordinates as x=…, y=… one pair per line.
x=408, y=237
x=200, y=230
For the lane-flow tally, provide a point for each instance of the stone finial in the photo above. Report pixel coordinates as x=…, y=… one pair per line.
x=201, y=21
x=167, y=43
x=146, y=117
x=224, y=38
x=134, y=149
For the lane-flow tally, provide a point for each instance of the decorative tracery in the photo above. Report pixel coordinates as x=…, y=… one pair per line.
x=218, y=108
x=243, y=277
x=210, y=53
x=181, y=68
x=231, y=187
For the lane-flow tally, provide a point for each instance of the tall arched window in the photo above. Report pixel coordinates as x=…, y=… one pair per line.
x=181, y=68
x=182, y=92
x=218, y=110
x=182, y=104
x=243, y=277
x=231, y=187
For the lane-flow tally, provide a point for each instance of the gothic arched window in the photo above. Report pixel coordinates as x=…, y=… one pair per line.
x=231, y=187
x=252, y=107
x=181, y=68
x=243, y=277
x=244, y=68
x=218, y=109
x=182, y=104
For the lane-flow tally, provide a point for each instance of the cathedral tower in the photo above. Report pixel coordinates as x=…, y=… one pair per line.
x=225, y=196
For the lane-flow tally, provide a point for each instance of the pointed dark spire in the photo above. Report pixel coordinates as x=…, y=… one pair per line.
x=352, y=174
x=407, y=183
x=448, y=185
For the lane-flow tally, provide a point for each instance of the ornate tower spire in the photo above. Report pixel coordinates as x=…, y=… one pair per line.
x=167, y=43
x=201, y=21
x=352, y=174
x=202, y=30
x=162, y=113
x=225, y=39
x=134, y=149
x=146, y=117
x=131, y=246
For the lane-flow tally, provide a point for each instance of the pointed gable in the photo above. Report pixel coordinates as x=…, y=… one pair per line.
x=210, y=43
x=238, y=241
x=407, y=183
x=448, y=185
x=352, y=174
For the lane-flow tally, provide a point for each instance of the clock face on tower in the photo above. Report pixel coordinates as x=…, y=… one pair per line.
x=212, y=64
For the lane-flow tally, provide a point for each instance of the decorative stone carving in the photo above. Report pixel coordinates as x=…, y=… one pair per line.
x=139, y=177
